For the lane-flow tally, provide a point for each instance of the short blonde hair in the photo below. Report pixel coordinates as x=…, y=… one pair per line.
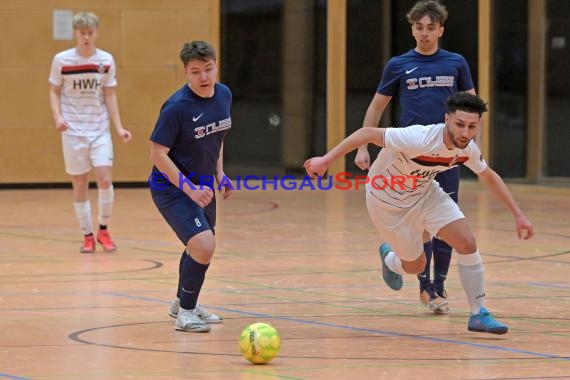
x=85, y=20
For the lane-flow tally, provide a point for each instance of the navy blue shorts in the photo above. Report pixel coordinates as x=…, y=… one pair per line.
x=449, y=182
x=182, y=214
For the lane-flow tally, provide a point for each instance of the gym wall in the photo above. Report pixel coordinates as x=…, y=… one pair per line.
x=144, y=36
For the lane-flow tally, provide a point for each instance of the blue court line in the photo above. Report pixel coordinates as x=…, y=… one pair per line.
x=5, y=375
x=135, y=297
x=364, y=329
x=557, y=285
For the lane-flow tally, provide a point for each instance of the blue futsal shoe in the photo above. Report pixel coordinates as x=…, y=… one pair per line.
x=392, y=279
x=484, y=322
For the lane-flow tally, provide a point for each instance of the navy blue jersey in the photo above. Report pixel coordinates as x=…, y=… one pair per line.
x=423, y=84
x=194, y=129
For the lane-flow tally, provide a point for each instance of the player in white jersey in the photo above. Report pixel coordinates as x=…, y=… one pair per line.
x=83, y=99
x=401, y=212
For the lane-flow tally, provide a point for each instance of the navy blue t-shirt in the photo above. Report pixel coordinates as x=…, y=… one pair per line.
x=423, y=84
x=194, y=129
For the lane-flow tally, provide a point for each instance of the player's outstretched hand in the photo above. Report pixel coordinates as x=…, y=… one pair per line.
x=525, y=230
x=316, y=166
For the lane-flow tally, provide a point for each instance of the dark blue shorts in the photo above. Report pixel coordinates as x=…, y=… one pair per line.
x=182, y=214
x=449, y=182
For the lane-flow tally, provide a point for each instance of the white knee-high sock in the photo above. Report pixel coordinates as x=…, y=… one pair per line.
x=472, y=275
x=83, y=213
x=106, y=199
x=394, y=263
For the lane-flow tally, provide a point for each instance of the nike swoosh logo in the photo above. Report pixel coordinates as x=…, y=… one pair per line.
x=409, y=71
x=197, y=117
x=188, y=291
x=424, y=276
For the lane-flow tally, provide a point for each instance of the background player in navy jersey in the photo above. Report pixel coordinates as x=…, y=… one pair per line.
x=400, y=216
x=423, y=79
x=187, y=145
x=83, y=99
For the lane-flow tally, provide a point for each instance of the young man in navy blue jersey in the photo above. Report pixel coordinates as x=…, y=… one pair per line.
x=186, y=147
x=423, y=79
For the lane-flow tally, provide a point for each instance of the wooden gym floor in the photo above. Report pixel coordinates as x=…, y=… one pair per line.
x=304, y=261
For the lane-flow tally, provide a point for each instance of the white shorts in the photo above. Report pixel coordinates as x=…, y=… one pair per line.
x=81, y=153
x=403, y=228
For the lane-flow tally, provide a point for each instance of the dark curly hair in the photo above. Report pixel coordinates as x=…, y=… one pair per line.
x=464, y=101
x=432, y=8
x=197, y=50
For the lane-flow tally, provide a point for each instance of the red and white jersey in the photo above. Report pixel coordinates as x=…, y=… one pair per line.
x=82, y=81
x=416, y=151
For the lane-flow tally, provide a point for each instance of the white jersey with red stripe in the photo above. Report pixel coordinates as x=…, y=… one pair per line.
x=82, y=81
x=417, y=151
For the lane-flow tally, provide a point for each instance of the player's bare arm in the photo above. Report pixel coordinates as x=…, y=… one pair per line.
x=113, y=109
x=317, y=166
x=371, y=119
x=159, y=157
x=497, y=186
x=225, y=191
x=55, y=104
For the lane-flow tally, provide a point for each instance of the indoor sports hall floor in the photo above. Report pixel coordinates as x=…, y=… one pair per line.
x=304, y=261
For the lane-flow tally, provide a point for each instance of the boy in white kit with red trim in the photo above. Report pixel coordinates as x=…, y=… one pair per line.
x=83, y=99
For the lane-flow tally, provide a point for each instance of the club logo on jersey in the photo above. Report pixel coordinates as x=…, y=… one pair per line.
x=428, y=82
x=86, y=84
x=208, y=129
x=101, y=68
x=453, y=160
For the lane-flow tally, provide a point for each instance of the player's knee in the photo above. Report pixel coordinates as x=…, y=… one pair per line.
x=104, y=183
x=203, y=256
x=466, y=244
x=80, y=182
x=202, y=247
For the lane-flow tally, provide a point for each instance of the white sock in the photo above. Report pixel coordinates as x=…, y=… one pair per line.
x=83, y=213
x=106, y=198
x=393, y=262
x=472, y=276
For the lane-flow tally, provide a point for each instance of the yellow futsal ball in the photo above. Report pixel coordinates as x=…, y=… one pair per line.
x=259, y=343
